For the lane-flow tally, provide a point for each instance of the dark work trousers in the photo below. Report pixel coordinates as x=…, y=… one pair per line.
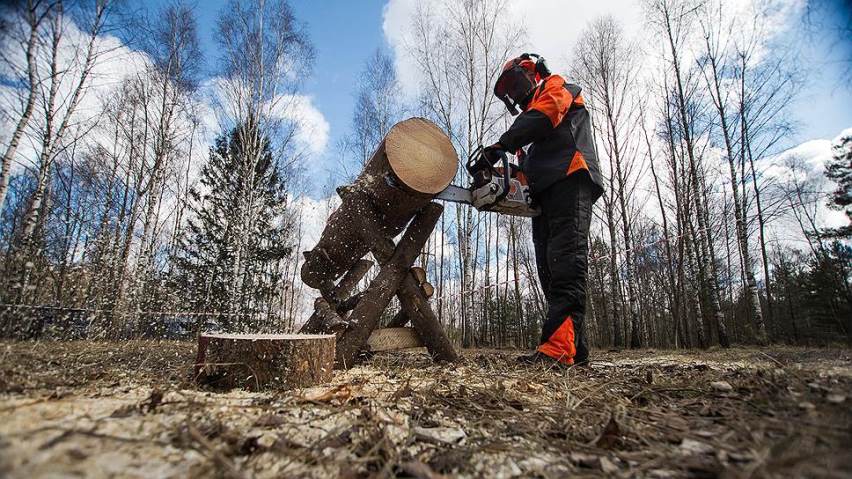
x=561, y=239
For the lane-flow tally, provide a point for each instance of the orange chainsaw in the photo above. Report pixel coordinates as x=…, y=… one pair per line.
x=496, y=186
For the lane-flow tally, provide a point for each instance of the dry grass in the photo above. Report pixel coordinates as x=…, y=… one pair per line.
x=128, y=409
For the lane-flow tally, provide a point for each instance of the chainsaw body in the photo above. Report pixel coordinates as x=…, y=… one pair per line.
x=500, y=187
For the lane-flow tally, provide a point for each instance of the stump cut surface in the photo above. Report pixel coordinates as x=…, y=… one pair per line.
x=264, y=361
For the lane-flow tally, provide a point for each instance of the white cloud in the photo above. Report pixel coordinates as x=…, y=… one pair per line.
x=114, y=62
x=552, y=28
x=805, y=164
x=312, y=129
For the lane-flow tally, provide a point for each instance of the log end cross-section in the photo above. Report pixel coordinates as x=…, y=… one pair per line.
x=421, y=155
x=414, y=162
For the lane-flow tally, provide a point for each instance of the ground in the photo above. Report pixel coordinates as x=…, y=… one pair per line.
x=129, y=410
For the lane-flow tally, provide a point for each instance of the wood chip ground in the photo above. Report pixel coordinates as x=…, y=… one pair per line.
x=129, y=410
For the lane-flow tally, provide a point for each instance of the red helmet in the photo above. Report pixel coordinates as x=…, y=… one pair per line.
x=518, y=80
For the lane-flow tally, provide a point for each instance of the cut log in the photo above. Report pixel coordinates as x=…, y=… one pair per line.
x=338, y=295
x=415, y=304
x=365, y=317
x=262, y=361
x=420, y=155
x=393, y=339
x=428, y=289
x=419, y=274
x=414, y=162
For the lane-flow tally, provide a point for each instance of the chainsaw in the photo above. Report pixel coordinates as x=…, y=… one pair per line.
x=496, y=186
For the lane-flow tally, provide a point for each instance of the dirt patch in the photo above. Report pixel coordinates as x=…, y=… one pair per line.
x=128, y=409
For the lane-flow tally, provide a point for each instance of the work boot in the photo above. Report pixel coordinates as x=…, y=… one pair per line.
x=540, y=359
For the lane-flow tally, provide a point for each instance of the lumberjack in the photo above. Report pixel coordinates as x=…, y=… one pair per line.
x=564, y=178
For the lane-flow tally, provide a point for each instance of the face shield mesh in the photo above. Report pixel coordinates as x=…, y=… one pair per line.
x=512, y=87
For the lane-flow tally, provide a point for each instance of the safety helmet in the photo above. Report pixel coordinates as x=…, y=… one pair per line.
x=518, y=80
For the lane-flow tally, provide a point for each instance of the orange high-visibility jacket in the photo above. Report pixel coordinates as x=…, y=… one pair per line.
x=559, y=127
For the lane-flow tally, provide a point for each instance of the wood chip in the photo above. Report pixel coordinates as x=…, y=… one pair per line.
x=607, y=466
x=722, y=386
x=339, y=393
x=691, y=446
x=447, y=435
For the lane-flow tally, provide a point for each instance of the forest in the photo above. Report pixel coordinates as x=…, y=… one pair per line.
x=166, y=166
x=142, y=197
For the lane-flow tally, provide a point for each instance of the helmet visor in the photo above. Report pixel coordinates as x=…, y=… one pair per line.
x=513, y=83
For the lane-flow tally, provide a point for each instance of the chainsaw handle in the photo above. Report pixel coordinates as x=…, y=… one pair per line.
x=478, y=161
x=507, y=176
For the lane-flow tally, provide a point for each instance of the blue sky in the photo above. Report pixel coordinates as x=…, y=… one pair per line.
x=345, y=33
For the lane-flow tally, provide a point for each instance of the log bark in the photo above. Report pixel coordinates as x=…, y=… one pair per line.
x=365, y=317
x=351, y=279
x=416, y=307
x=264, y=361
x=414, y=162
x=401, y=318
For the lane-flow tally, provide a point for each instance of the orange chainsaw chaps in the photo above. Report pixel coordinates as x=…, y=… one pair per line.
x=560, y=345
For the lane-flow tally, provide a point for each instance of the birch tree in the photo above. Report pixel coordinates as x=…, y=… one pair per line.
x=22, y=32
x=715, y=64
x=62, y=85
x=606, y=68
x=459, y=49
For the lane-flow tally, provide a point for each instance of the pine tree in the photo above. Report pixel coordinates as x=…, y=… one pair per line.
x=839, y=169
x=240, y=192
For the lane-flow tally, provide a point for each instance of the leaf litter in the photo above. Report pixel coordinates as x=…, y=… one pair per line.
x=100, y=409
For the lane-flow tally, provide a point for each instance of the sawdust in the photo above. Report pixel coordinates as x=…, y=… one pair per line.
x=129, y=409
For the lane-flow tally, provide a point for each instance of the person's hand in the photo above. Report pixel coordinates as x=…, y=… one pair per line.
x=492, y=153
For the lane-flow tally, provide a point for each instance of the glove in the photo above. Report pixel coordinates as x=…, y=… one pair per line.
x=492, y=153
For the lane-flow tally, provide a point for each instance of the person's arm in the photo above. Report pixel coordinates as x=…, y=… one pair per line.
x=543, y=115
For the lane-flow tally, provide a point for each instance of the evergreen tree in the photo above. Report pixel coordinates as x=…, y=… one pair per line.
x=839, y=169
x=241, y=197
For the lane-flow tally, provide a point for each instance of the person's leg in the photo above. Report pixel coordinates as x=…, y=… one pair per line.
x=568, y=212
x=540, y=235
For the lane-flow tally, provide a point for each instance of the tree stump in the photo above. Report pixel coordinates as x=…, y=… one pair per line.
x=415, y=162
x=262, y=361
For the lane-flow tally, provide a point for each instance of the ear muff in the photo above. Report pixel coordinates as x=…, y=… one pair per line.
x=540, y=64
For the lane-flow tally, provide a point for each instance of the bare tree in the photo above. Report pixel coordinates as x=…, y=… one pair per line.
x=606, y=67
x=264, y=52
x=61, y=89
x=171, y=42
x=673, y=20
x=23, y=32
x=459, y=48
x=377, y=107
x=716, y=64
